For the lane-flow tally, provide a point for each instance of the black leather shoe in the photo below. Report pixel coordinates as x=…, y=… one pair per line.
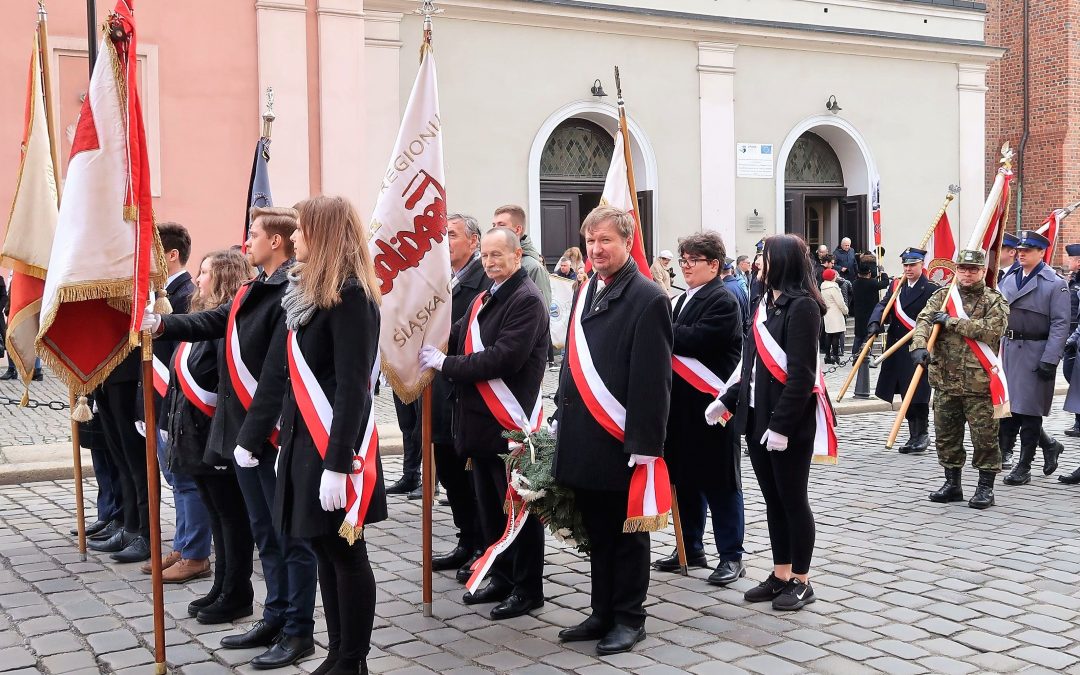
x=489, y=593
x=452, y=560
x=1070, y=479
x=589, y=629
x=38, y=377
x=671, y=563
x=418, y=492
x=262, y=634
x=620, y=639
x=224, y=610
x=726, y=572
x=205, y=601
x=465, y=571
x=1074, y=430
x=287, y=651
x=137, y=551
x=515, y=605
x=9, y=375
x=117, y=542
x=404, y=485
x=1050, y=457
x=91, y=529
x=106, y=532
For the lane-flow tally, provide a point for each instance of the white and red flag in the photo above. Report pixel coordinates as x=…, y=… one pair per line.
x=31, y=225
x=408, y=240
x=618, y=193
x=106, y=250
x=944, y=243
x=1049, y=229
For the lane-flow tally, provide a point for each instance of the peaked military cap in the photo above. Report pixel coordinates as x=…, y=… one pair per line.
x=760, y=245
x=1030, y=239
x=971, y=257
x=912, y=255
x=729, y=263
x=1010, y=240
x=1073, y=249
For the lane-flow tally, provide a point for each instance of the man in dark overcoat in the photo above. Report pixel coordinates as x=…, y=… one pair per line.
x=513, y=326
x=897, y=370
x=1073, y=251
x=1030, y=352
x=703, y=458
x=626, y=321
x=468, y=281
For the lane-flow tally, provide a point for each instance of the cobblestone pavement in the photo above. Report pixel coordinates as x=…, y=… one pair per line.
x=904, y=586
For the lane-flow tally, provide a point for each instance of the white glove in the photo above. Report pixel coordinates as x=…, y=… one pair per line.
x=140, y=427
x=642, y=460
x=244, y=458
x=774, y=441
x=431, y=357
x=714, y=414
x=150, y=321
x=554, y=426
x=332, y=490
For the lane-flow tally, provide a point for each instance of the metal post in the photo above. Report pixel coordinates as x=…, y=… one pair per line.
x=91, y=33
x=862, y=381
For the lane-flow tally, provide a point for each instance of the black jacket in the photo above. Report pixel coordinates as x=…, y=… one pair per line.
x=261, y=322
x=787, y=409
x=897, y=370
x=187, y=426
x=628, y=327
x=473, y=281
x=708, y=328
x=180, y=292
x=339, y=345
x=865, y=296
x=514, y=328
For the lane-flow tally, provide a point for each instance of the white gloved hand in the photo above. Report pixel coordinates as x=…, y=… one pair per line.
x=244, y=458
x=332, y=490
x=431, y=357
x=642, y=460
x=774, y=441
x=554, y=426
x=714, y=414
x=150, y=321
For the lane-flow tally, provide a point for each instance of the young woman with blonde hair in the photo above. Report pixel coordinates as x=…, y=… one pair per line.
x=330, y=479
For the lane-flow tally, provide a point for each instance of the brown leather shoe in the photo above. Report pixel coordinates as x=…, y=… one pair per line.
x=167, y=561
x=186, y=570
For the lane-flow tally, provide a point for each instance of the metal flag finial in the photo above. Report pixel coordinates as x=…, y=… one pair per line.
x=268, y=116
x=427, y=9
x=42, y=14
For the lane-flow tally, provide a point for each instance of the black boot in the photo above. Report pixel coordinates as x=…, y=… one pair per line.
x=10, y=374
x=1070, y=479
x=1021, y=473
x=1051, y=450
x=984, y=494
x=920, y=436
x=952, y=490
x=1074, y=430
x=913, y=433
x=1007, y=445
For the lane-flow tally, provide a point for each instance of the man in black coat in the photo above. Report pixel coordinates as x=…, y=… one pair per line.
x=866, y=293
x=513, y=326
x=898, y=369
x=704, y=459
x=625, y=319
x=468, y=281
x=1067, y=363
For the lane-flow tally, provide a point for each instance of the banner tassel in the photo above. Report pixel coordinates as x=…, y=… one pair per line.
x=82, y=412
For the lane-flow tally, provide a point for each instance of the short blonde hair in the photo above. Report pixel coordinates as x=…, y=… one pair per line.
x=278, y=220
x=516, y=213
x=622, y=220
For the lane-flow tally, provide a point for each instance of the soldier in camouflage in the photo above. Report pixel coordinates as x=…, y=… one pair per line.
x=961, y=385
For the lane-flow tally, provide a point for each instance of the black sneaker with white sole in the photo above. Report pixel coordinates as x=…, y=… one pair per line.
x=765, y=591
x=795, y=595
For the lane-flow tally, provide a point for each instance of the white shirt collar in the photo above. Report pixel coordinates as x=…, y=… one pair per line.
x=691, y=291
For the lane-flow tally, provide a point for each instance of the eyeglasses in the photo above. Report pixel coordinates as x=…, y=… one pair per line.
x=689, y=262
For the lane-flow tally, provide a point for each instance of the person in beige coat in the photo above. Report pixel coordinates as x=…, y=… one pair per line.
x=835, y=321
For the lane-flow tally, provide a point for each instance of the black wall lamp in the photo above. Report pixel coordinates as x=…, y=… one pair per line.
x=832, y=105
x=598, y=89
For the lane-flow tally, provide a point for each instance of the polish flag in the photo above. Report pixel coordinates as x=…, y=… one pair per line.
x=617, y=193
x=1049, y=229
x=944, y=244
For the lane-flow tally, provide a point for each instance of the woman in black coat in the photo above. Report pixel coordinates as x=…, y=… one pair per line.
x=332, y=313
x=189, y=406
x=779, y=421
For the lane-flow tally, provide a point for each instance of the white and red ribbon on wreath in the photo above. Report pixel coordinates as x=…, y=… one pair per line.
x=898, y=310
x=243, y=382
x=161, y=376
x=648, y=494
x=987, y=357
x=775, y=359
x=318, y=415
x=203, y=399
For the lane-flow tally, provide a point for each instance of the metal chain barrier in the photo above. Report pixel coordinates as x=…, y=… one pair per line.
x=51, y=405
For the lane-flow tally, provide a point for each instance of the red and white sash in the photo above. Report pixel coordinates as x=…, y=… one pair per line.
x=204, y=400
x=318, y=415
x=161, y=377
x=775, y=359
x=987, y=357
x=698, y=376
x=243, y=382
x=898, y=310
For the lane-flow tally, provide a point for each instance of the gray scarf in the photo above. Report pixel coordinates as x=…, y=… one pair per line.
x=298, y=309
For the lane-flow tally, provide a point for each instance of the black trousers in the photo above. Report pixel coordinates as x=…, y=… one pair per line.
x=783, y=477
x=233, y=543
x=1029, y=427
x=459, y=491
x=522, y=565
x=619, y=562
x=408, y=419
x=127, y=450
x=918, y=411
x=110, y=503
x=348, y=595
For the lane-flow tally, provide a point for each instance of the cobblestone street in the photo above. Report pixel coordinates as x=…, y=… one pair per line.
x=904, y=586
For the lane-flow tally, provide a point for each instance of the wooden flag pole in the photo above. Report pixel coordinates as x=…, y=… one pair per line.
x=895, y=347
x=680, y=541
x=153, y=484
x=427, y=464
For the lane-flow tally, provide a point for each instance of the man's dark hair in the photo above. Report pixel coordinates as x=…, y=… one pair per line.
x=707, y=244
x=175, y=235
x=740, y=259
x=828, y=258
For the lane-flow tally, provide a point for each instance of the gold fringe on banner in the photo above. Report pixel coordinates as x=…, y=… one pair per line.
x=350, y=533
x=824, y=459
x=645, y=523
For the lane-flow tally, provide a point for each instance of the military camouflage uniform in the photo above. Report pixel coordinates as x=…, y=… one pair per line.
x=961, y=386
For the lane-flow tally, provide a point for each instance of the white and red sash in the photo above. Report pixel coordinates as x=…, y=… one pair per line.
x=204, y=400
x=987, y=357
x=898, y=309
x=650, y=497
x=698, y=376
x=161, y=377
x=775, y=359
x=243, y=382
x=318, y=415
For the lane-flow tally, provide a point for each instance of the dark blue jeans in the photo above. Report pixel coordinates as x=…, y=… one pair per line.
x=728, y=520
x=109, y=504
x=192, y=537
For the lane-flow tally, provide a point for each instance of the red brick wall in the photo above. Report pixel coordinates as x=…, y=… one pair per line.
x=1051, y=172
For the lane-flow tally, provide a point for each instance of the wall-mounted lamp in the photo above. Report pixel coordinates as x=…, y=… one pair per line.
x=832, y=105
x=598, y=89
x=755, y=212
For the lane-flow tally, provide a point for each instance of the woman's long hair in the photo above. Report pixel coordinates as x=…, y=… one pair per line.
x=229, y=269
x=785, y=267
x=337, y=250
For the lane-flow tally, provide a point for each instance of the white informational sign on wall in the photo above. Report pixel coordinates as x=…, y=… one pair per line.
x=754, y=160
